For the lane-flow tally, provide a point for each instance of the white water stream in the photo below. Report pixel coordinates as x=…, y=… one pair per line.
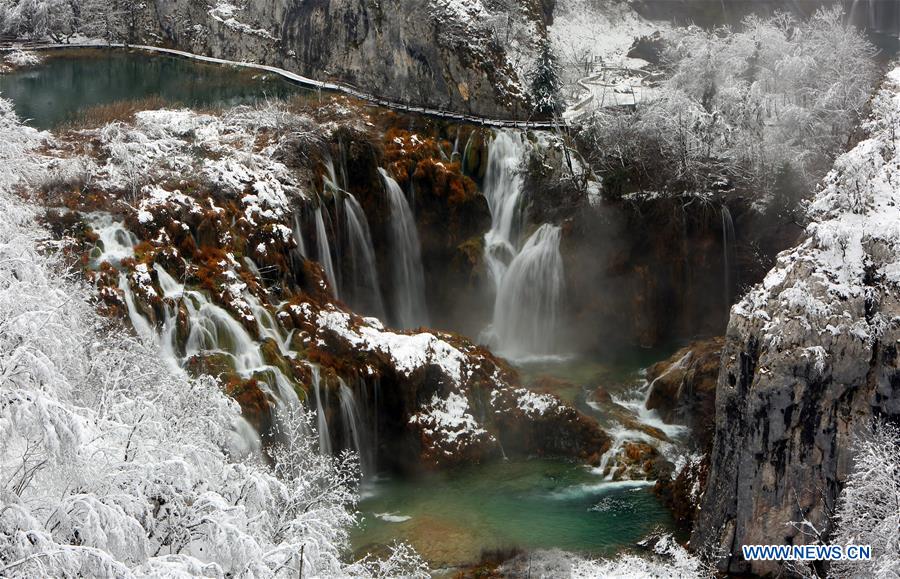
x=409, y=309
x=528, y=278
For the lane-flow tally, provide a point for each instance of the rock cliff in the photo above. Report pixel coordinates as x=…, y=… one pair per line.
x=448, y=54
x=810, y=356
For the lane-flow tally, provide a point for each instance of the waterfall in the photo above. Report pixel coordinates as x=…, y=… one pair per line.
x=727, y=233
x=298, y=237
x=325, y=250
x=214, y=331
x=353, y=427
x=361, y=288
x=245, y=440
x=141, y=325
x=330, y=179
x=528, y=282
x=173, y=292
x=409, y=308
x=527, y=307
x=268, y=328
x=503, y=190
x=321, y=413
x=118, y=242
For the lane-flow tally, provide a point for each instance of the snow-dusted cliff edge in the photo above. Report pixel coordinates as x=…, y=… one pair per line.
x=810, y=358
x=443, y=54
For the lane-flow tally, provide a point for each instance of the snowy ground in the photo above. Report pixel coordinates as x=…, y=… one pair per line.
x=592, y=39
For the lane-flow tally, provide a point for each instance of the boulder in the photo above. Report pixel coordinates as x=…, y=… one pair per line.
x=683, y=388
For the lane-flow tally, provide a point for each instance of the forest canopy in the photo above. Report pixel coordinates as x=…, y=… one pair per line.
x=746, y=109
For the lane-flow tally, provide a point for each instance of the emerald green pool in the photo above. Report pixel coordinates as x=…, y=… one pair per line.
x=68, y=83
x=534, y=504
x=452, y=519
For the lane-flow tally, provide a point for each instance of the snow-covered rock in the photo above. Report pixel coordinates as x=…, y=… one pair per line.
x=810, y=356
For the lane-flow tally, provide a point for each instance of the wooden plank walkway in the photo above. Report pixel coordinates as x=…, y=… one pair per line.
x=312, y=83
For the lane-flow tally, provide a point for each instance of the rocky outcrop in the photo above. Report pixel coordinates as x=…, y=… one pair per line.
x=683, y=388
x=452, y=217
x=683, y=491
x=192, y=227
x=810, y=357
x=434, y=53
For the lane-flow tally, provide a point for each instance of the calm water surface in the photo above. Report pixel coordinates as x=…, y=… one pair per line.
x=66, y=85
x=535, y=504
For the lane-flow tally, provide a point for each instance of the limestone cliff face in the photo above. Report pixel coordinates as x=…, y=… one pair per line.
x=435, y=53
x=810, y=356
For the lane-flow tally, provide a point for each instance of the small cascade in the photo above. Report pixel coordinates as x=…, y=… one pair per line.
x=727, y=234
x=268, y=327
x=212, y=330
x=245, y=440
x=503, y=190
x=361, y=286
x=173, y=292
x=298, y=237
x=354, y=429
x=330, y=178
x=409, y=309
x=141, y=325
x=619, y=438
x=118, y=243
x=321, y=412
x=324, y=247
x=170, y=287
x=467, y=150
x=527, y=307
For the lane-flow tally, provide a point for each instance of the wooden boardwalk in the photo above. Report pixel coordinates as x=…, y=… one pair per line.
x=311, y=83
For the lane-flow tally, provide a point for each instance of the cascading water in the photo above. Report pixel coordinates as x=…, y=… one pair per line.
x=361, y=286
x=118, y=243
x=503, y=190
x=321, y=412
x=173, y=292
x=268, y=327
x=528, y=282
x=298, y=237
x=727, y=234
x=324, y=247
x=527, y=307
x=353, y=275
x=140, y=324
x=212, y=330
x=409, y=308
x=354, y=429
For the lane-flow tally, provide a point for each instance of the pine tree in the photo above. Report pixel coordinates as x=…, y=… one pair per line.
x=545, y=83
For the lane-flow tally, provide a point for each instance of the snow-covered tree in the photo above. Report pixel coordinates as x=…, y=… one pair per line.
x=738, y=105
x=544, y=81
x=114, y=464
x=662, y=557
x=868, y=510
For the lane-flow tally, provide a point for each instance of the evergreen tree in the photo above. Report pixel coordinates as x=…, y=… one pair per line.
x=545, y=83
